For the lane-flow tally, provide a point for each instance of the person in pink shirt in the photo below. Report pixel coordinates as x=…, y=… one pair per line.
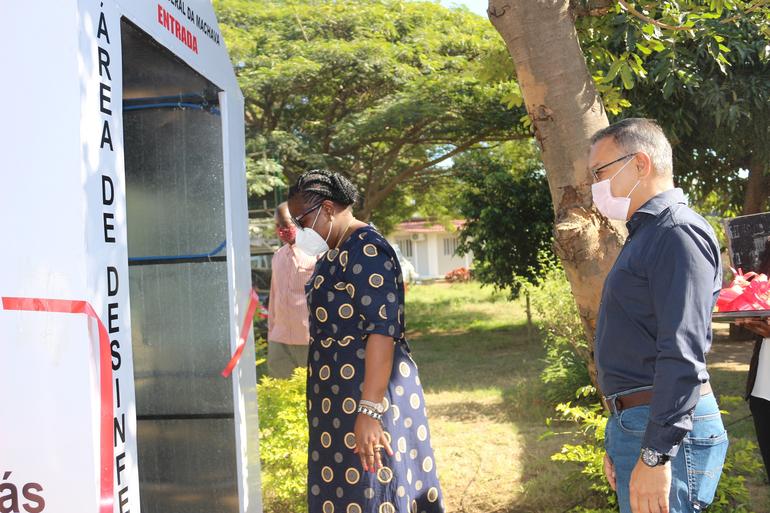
x=287, y=322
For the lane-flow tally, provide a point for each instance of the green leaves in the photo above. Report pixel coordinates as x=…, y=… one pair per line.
x=613, y=71
x=283, y=439
x=512, y=96
x=708, y=85
x=373, y=89
x=626, y=74
x=499, y=189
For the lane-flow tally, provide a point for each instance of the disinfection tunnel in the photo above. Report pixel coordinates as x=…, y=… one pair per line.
x=125, y=282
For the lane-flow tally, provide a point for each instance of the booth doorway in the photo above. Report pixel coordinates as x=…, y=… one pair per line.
x=178, y=277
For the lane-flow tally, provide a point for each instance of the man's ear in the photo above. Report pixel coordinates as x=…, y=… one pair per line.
x=643, y=166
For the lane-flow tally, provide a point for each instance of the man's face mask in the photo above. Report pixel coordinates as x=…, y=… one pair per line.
x=611, y=206
x=287, y=234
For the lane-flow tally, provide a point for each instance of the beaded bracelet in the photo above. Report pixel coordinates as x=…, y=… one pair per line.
x=369, y=412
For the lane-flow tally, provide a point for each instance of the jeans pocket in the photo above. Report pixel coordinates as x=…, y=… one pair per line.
x=633, y=421
x=705, y=451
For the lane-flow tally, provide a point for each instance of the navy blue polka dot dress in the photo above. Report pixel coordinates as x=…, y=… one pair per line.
x=358, y=290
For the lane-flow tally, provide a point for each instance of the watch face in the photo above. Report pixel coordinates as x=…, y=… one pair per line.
x=650, y=457
x=378, y=407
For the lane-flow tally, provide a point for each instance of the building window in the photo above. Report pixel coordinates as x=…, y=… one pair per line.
x=450, y=246
x=406, y=247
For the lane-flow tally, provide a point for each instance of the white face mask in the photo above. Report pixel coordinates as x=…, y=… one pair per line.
x=611, y=206
x=309, y=241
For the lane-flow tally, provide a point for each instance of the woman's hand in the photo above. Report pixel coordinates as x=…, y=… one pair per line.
x=370, y=440
x=759, y=326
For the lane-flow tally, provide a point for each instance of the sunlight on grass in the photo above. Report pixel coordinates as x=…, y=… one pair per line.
x=446, y=308
x=480, y=370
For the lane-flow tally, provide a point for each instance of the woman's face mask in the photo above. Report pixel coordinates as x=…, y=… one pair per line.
x=309, y=240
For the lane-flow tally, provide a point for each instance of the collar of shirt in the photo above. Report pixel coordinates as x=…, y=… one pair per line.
x=301, y=259
x=654, y=207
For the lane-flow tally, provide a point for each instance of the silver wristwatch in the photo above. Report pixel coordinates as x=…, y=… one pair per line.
x=378, y=407
x=653, y=458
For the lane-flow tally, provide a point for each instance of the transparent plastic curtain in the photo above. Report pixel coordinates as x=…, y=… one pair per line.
x=179, y=309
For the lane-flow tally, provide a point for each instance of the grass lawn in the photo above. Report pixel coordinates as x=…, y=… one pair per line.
x=485, y=400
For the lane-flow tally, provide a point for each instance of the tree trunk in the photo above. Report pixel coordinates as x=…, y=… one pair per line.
x=565, y=110
x=757, y=188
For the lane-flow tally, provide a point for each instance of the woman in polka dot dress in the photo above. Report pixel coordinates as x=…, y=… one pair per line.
x=369, y=449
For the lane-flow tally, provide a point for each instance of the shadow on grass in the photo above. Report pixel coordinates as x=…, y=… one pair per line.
x=435, y=319
x=485, y=390
x=481, y=371
x=477, y=359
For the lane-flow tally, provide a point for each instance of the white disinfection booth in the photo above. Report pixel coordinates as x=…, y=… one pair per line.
x=124, y=275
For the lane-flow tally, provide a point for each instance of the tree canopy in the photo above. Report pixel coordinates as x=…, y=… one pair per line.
x=382, y=91
x=393, y=94
x=701, y=69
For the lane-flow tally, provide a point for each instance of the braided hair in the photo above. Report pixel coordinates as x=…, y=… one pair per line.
x=321, y=184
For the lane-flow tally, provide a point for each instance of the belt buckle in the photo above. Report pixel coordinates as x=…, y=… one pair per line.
x=610, y=404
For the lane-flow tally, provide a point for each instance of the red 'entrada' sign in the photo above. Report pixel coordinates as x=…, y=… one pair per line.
x=180, y=32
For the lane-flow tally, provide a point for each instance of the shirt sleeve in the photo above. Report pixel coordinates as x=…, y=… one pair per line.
x=682, y=282
x=374, y=276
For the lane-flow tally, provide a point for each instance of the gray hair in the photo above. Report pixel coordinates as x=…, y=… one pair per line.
x=641, y=134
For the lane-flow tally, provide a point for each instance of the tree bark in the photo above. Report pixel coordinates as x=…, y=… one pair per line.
x=757, y=188
x=565, y=110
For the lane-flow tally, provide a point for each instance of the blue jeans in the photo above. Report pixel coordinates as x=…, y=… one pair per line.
x=695, y=470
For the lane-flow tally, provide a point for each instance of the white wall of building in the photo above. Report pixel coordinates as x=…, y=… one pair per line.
x=432, y=254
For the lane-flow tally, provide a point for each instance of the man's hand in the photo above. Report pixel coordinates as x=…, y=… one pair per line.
x=609, y=471
x=649, y=488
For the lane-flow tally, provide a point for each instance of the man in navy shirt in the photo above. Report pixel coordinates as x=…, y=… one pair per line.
x=665, y=439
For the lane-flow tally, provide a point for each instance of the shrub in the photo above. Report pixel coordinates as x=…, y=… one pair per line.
x=459, y=275
x=732, y=495
x=556, y=315
x=283, y=442
x=589, y=422
x=260, y=355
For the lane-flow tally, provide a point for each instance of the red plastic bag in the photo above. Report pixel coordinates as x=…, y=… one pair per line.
x=750, y=291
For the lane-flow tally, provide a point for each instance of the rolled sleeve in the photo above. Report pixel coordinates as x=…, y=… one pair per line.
x=682, y=281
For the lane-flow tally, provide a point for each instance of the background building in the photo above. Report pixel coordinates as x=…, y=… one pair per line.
x=430, y=248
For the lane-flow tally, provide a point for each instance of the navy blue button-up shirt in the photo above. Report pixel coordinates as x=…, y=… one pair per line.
x=654, y=324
